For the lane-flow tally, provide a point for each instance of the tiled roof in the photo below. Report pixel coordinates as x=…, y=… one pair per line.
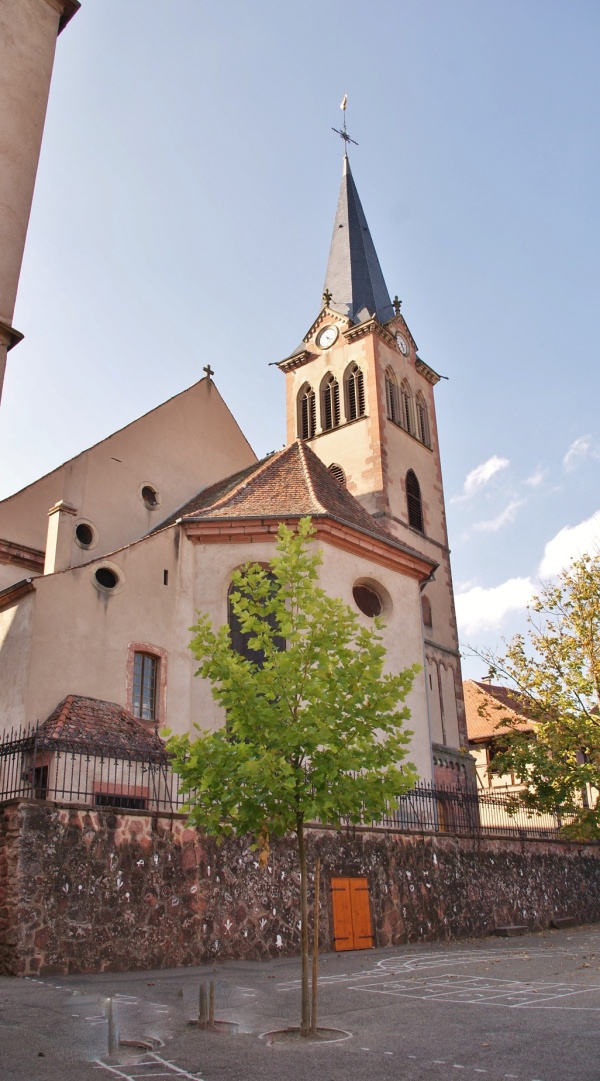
x=210, y=495
x=103, y=724
x=487, y=704
x=292, y=483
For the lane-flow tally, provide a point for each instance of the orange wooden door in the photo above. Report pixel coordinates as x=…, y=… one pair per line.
x=351, y=914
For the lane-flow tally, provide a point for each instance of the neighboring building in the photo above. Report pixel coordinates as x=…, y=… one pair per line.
x=487, y=705
x=105, y=561
x=28, y=32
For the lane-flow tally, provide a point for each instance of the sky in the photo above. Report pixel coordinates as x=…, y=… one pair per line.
x=183, y=214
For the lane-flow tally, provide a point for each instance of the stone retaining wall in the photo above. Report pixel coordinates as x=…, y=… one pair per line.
x=90, y=890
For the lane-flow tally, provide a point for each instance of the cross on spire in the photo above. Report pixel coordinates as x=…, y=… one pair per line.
x=327, y=297
x=343, y=134
x=208, y=371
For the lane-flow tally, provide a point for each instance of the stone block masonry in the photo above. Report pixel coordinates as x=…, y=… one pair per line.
x=85, y=890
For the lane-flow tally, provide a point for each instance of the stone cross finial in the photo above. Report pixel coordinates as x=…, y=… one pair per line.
x=327, y=297
x=208, y=371
x=397, y=304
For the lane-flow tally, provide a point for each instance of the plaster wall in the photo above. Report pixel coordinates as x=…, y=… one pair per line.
x=181, y=447
x=16, y=624
x=89, y=655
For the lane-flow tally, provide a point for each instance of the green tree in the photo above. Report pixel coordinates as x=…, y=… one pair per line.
x=555, y=672
x=313, y=731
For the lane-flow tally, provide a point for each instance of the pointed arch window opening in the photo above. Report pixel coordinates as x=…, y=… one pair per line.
x=414, y=502
x=240, y=640
x=307, y=413
x=406, y=417
x=355, y=393
x=391, y=396
x=330, y=404
x=423, y=422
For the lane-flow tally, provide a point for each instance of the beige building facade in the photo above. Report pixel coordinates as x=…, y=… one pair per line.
x=105, y=561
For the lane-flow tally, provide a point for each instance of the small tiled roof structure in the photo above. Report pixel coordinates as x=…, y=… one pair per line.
x=292, y=483
x=487, y=704
x=103, y=725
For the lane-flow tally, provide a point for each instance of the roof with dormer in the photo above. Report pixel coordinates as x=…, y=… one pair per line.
x=293, y=483
x=354, y=277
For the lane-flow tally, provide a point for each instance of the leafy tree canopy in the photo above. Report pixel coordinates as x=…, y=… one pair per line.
x=315, y=731
x=555, y=671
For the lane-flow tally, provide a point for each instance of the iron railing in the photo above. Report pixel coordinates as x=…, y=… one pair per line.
x=34, y=765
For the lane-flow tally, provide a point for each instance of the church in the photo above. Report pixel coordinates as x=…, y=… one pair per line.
x=105, y=561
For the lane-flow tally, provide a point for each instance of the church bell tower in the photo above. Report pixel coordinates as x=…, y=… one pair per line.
x=361, y=396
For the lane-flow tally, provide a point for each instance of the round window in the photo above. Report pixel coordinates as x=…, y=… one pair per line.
x=106, y=577
x=367, y=601
x=84, y=534
x=150, y=496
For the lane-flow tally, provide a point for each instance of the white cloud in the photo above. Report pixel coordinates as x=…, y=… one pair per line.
x=480, y=476
x=492, y=525
x=536, y=478
x=580, y=449
x=481, y=608
x=570, y=543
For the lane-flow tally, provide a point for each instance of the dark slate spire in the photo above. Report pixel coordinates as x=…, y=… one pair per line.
x=354, y=276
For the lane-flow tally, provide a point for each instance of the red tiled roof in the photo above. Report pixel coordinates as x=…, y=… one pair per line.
x=106, y=724
x=487, y=705
x=292, y=483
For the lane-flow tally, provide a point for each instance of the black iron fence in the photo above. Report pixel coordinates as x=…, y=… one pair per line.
x=90, y=773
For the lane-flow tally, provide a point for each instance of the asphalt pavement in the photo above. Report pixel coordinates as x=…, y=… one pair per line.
x=520, y=1009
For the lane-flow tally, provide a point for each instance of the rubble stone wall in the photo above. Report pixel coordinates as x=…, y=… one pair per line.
x=86, y=890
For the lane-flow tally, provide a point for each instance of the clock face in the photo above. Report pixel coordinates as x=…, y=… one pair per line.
x=402, y=344
x=327, y=337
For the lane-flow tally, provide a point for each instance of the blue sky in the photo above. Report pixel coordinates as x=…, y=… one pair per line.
x=183, y=214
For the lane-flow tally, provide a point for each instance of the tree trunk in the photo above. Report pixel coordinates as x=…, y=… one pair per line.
x=315, y=957
x=305, y=1018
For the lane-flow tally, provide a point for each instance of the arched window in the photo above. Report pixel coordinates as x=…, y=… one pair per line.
x=414, y=503
x=406, y=411
x=337, y=472
x=330, y=403
x=422, y=421
x=426, y=609
x=307, y=412
x=239, y=640
x=355, y=393
x=391, y=396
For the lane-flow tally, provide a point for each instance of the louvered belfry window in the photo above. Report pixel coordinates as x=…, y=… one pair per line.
x=307, y=419
x=413, y=500
x=422, y=421
x=145, y=671
x=406, y=408
x=391, y=396
x=355, y=383
x=331, y=403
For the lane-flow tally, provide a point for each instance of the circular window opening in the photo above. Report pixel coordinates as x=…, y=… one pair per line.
x=84, y=534
x=106, y=578
x=150, y=496
x=368, y=601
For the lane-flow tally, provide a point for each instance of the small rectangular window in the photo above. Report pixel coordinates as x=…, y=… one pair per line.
x=145, y=671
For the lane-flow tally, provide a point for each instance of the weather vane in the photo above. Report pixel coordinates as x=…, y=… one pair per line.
x=343, y=134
